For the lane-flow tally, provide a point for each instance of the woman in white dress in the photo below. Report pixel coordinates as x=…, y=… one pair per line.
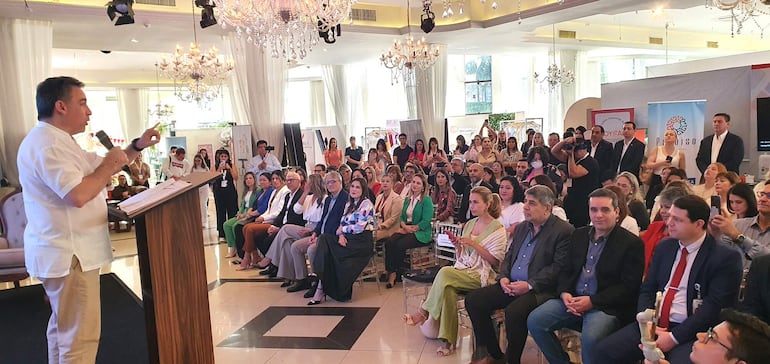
x=203, y=191
x=512, y=196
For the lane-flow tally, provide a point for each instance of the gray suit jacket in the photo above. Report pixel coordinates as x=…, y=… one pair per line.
x=549, y=257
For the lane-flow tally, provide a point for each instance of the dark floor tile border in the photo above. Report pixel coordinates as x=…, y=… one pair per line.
x=222, y=281
x=342, y=337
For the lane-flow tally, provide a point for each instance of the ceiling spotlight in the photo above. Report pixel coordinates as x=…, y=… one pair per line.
x=427, y=18
x=207, y=13
x=122, y=10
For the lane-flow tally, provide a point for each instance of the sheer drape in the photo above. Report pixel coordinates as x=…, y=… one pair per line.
x=317, y=103
x=257, y=90
x=132, y=107
x=337, y=87
x=25, y=61
x=430, y=95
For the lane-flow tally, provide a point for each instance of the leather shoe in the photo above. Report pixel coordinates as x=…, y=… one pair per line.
x=286, y=283
x=313, y=286
x=271, y=271
x=299, y=285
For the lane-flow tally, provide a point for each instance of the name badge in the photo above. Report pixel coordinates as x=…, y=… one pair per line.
x=698, y=301
x=224, y=183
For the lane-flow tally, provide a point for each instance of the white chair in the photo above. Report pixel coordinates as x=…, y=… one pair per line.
x=13, y=221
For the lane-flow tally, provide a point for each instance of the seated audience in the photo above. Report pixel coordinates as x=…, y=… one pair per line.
x=122, y=191
x=740, y=338
x=331, y=213
x=396, y=178
x=557, y=209
x=387, y=210
x=512, y=200
x=341, y=257
x=655, y=213
x=658, y=230
x=756, y=296
x=443, y=196
x=478, y=251
x=458, y=179
x=742, y=201
x=255, y=232
x=497, y=171
x=633, y=195
x=410, y=170
x=528, y=277
x=250, y=194
x=372, y=176
x=310, y=205
x=359, y=173
x=625, y=220
x=475, y=173
x=383, y=157
x=706, y=189
x=417, y=155
x=748, y=235
x=319, y=169
x=714, y=278
x=489, y=178
x=287, y=216
x=461, y=146
x=347, y=175
x=510, y=156
x=722, y=185
x=416, y=229
x=487, y=155
x=597, y=287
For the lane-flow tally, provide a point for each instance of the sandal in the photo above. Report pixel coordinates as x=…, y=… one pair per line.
x=446, y=349
x=415, y=319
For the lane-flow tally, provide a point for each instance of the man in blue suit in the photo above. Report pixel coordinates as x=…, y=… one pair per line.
x=697, y=276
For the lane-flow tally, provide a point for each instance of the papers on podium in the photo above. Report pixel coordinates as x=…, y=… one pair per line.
x=140, y=201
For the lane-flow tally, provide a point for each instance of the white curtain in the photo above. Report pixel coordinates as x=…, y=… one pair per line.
x=133, y=106
x=24, y=62
x=317, y=103
x=337, y=87
x=430, y=95
x=258, y=85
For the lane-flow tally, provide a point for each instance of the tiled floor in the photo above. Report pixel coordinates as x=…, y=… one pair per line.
x=255, y=321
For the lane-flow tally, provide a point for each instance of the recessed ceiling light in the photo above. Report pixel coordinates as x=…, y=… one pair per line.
x=133, y=40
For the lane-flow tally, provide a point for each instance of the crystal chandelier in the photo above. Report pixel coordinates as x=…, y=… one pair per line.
x=555, y=75
x=448, y=10
x=197, y=76
x=289, y=28
x=403, y=59
x=743, y=11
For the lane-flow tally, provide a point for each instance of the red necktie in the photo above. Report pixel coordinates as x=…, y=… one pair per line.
x=673, y=288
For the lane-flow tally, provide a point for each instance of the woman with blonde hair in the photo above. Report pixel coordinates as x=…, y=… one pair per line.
x=706, y=189
x=416, y=230
x=478, y=251
x=629, y=185
x=371, y=178
x=666, y=155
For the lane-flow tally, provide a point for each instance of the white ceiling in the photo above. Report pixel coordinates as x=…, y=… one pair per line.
x=79, y=32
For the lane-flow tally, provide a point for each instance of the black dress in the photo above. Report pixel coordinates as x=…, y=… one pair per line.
x=338, y=266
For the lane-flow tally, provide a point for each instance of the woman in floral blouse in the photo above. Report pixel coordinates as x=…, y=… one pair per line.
x=341, y=258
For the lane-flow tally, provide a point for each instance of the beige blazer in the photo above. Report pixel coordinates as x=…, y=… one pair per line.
x=391, y=215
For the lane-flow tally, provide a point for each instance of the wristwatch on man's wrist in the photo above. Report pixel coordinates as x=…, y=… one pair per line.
x=740, y=239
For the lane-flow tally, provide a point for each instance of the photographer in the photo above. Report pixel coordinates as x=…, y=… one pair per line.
x=583, y=178
x=263, y=162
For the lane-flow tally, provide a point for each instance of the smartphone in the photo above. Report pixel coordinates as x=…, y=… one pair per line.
x=716, y=205
x=669, y=158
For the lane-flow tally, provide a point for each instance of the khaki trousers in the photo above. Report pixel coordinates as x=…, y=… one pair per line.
x=75, y=324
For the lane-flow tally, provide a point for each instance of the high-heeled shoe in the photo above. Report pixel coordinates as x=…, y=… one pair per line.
x=313, y=280
x=319, y=297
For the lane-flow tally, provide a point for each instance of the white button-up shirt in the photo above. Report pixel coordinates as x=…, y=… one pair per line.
x=678, y=312
x=51, y=164
x=716, y=145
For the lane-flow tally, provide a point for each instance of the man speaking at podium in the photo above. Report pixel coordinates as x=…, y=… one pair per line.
x=67, y=239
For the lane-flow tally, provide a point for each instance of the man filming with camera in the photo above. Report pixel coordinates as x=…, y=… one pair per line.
x=263, y=161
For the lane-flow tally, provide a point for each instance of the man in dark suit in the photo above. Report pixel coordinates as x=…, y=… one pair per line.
x=598, y=287
x=285, y=216
x=528, y=277
x=698, y=278
x=629, y=152
x=475, y=172
x=601, y=150
x=756, y=297
x=722, y=146
x=458, y=179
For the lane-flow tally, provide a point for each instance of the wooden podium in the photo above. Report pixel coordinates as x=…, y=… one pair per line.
x=173, y=273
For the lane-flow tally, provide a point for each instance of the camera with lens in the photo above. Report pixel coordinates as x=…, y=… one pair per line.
x=269, y=148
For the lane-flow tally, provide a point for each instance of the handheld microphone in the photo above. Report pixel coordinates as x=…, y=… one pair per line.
x=104, y=139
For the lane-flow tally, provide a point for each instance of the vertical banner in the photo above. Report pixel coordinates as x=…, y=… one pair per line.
x=612, y=121
x=686, y=118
